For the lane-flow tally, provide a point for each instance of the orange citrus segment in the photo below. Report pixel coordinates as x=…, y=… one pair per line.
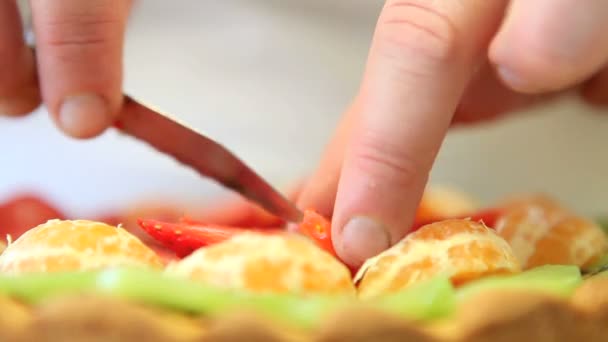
x=266, y=263
x=461, y=249
x=441, y=201
x=541, y=232
x=75, y=245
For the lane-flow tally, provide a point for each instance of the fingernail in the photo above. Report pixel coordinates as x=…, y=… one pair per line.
x=84, y=116
x=363, y=238
x=510, y=78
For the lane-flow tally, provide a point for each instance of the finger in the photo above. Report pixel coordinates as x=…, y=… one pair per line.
x=596, y=90
x=547, y=45
x=422, y=56
x=487, y=98
x=18, y=84
x=240, y=212
x=319, y=193
x=80, y=46
x=294, y=191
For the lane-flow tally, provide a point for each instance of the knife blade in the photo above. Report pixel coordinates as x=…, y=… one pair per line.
x=207, y=157
x=189, y=147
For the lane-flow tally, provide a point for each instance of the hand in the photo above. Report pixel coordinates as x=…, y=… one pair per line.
x=431, y=64
x=77, y=68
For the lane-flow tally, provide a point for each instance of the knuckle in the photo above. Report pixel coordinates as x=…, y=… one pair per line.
x=65, y=35
x=409, y=28
x=387, y=162
x=82, y=29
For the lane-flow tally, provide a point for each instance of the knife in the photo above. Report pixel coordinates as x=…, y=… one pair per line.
x=189, y=147
x=207, y=157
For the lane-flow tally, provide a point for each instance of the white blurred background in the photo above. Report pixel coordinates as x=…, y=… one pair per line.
x=269, y=79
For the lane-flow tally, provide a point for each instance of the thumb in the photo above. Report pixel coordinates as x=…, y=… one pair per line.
x=422, y=57
x=80, y=46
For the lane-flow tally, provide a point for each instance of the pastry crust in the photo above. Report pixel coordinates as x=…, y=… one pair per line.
x=518, y=316
x=98, y=318
x=497, y=315
x=289, y=263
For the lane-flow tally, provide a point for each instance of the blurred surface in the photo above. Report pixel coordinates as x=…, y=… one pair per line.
x=269, y=79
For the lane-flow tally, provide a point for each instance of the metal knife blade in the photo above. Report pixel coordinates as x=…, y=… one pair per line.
x=207, y=157
x=191, y=148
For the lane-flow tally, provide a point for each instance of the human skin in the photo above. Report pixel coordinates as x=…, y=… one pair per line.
x=431, y=64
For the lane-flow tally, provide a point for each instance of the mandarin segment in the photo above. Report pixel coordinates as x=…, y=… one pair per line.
x=441, y=201
x=59, y=245
x=266, y=263
x=461, y=249
x=541, y=231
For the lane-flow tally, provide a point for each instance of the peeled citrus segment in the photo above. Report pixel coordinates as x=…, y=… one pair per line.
x=600, y=266
x=279, y=263
x=560, y=280
x=462, y=250
x=59, y=245
x=441, y=201
x=426, y=300
x=542, y=232
x=602, y=274
x=24, y=211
